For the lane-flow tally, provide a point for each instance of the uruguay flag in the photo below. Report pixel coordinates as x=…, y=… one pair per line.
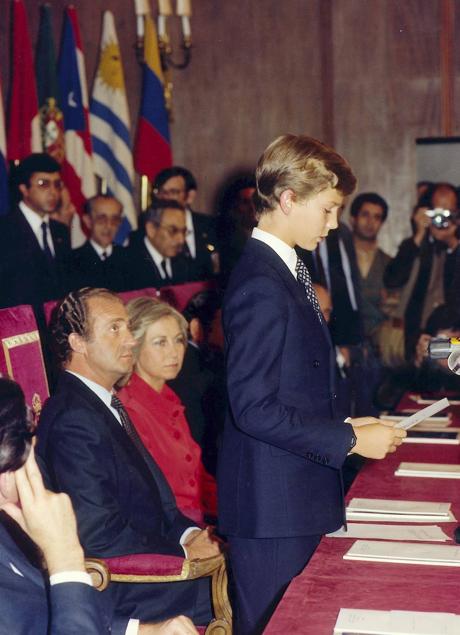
x=152, y=150
x=77, y=167
x=109, y=121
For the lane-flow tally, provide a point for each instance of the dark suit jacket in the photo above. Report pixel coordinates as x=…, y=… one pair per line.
x=205, y=236
x=144, y=272
x=120, y=508
x=27, y=606
x=25, y=275
x=86, y=269
x=283, y=446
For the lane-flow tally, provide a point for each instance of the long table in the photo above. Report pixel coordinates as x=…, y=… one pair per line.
x=312, y=602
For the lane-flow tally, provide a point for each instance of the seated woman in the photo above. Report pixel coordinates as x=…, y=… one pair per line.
x=157, y=412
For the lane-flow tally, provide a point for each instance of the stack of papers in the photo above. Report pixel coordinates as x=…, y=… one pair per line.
x=363, y=622
x=434, y=440
x=432, y=470
x=425, y=533
x=426, y=400
x=383, y=510
x=404, y=553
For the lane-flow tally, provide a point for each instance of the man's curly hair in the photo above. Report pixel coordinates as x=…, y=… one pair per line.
x=71, y=315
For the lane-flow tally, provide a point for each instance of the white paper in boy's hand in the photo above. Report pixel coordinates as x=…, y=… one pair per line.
x=423, y=414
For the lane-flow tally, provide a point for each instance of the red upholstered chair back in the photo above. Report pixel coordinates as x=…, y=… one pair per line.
x=126, y=296
x=21, y=356
x=48, y=309
x=180, y=294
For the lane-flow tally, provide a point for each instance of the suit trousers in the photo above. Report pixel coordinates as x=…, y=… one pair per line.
x=261, y=569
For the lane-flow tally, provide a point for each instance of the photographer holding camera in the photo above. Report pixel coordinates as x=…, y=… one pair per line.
x=423, y=269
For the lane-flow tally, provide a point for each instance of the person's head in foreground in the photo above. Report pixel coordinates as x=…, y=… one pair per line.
x=16, y=432
x=91, y=335
x=301, y=184
x=161, y=338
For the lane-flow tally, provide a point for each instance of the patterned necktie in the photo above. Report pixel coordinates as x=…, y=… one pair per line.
x=169, y=501
x=303, y=276
x=129, y=428
x=104, y=256
x=46, y=246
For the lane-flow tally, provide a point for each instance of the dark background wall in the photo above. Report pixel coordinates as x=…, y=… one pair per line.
x=361, y=74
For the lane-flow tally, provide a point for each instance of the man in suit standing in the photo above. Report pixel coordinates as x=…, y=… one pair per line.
x=100, y=263
x=48, y=520
x=279, y=472
x=91, y=450
x=157, y=259
x=33, y=248
x=179, y=184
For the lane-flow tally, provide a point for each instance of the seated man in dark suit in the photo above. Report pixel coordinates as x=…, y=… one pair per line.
x=70, y=604
x=92, y=452
x=179, y=184
x=33, y=248
x=157, y=260
x=100, y=263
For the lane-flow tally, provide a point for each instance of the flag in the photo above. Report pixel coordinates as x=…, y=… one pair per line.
x=152, y=150
x=4, y=191
x=51, y=118
x=109, y=120
x=23, y=118
x=77, y=167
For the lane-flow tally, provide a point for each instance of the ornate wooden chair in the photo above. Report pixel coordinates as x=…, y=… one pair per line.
x=21, y=355
x=178, y=295
x=139, y=568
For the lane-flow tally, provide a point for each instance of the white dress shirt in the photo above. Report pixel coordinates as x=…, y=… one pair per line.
x=158, y=259
x=35, y=221
x=190, y=238
x=102, y=250
x=284, y=251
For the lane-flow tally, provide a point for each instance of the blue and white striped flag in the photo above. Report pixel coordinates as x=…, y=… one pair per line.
x=109, y=124
x=4, y=191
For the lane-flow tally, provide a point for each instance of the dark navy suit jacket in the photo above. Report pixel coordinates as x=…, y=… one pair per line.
x=121, y=506
x=26, y=606
x=25, y=275
x=283, y=446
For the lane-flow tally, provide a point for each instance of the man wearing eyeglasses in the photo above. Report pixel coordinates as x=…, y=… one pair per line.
x=158, y=259
x=100, y=263
x=33, y=247
x=177, y=183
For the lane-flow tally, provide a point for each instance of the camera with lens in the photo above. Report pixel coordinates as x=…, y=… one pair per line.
x=446, y=348
x=441, y=218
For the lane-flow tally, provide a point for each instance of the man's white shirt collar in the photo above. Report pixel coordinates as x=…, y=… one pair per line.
x=104, y=395
x=190, y=239
x=35, y=221
x=101, y=250
x=158, y=258
x=284, y=251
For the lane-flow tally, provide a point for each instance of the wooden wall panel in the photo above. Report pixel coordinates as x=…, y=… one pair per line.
x=387, y=93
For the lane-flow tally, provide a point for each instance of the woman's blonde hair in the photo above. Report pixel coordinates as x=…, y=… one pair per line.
x=144, y=311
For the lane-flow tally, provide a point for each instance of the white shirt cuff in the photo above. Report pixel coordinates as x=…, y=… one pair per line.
x=71, y=576
x=132, y=628
x=183, y=538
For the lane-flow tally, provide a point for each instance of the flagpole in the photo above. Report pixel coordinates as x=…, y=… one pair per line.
x=144, y=192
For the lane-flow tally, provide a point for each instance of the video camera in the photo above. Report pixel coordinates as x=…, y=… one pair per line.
x=442, y=348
